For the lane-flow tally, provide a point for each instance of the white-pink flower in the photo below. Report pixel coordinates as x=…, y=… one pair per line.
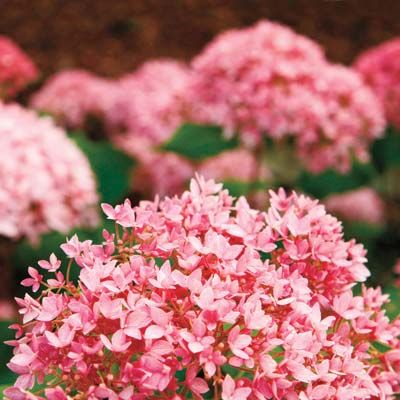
x=46, y=183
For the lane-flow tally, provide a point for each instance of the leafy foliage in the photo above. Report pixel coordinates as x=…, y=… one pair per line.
x=386, y=151
x=332, y=181
x=197, y=142
x=111, y=166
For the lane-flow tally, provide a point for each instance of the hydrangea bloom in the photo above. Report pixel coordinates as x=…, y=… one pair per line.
x=45, y=181
x=150, y=102
x=239, y=164
x=268, y=80
x=380, y=67
x=357, y=205
x=7, y=310
x=157, y=173
x=200, y=293
x=74, y=96
x=16, y=68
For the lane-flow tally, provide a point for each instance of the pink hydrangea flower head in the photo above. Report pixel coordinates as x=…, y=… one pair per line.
x=268, y=80
x=342, y=119
x=380, y=67
x=73, y=96
x=157, y=173
x=151, y=101
x=200, y=293
x=363, y=205
x=16, y=68
x=237, y=165
x=45, y=181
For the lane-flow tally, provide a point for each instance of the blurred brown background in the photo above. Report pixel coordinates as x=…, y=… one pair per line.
x=114, y=36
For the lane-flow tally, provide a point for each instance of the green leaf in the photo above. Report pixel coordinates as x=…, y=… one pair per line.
x=393, y=307
x=199, y=141
x=331, y=181
x=363, y=231
x=386, y=151
x=112, y=168
x=241, y=188
x=381, y=347
x=25, y=254
x=7, y=377
x=3, y=388
x=237, y=188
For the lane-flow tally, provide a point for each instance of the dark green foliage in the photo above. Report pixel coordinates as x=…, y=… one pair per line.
x=197, y=142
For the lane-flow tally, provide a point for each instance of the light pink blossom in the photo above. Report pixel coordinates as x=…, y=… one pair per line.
x=200, y=293
x=380, y=68
x=75, y=96
x=46, y=182
x=268, y=80
x=363, y=205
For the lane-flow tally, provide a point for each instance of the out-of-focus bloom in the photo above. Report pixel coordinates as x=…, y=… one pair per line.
x=193, y=284
x=157, y=173
x=45, y=181
x=268, y=80
x=380, y=67
x=7, y=310
x=363, y=205
x=149, y=106
x=150, y=102
x=16, y=68
x=238, y=165
x=75, y=96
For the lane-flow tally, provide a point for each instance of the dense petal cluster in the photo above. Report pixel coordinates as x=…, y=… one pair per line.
x=380, y=67
x=150, y=102
x=16, y=68
x=201, y=294
x=74, y=96
x=363, y=205
x=268, y=80
x=45, y=181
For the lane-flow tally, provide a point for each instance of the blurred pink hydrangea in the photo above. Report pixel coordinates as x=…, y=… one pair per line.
x=73, y=96
x=16, y=68
x=238, y=165
x=268, y=80
x=380, y=67
x=245, y=304
x=45, y=181
x=363, y=205
x=148, y=108
x=157, y=173
x=150, y=102
x=8, y=311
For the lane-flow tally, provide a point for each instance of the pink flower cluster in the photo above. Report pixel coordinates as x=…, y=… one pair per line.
x=73, y=96
x=198, y=294
x=380, y=68
x=45, y=181
x=151, y=102
x=237, y=165
x=16, y=68
x=149, y=107
x=268, y=80
x=357, y=205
